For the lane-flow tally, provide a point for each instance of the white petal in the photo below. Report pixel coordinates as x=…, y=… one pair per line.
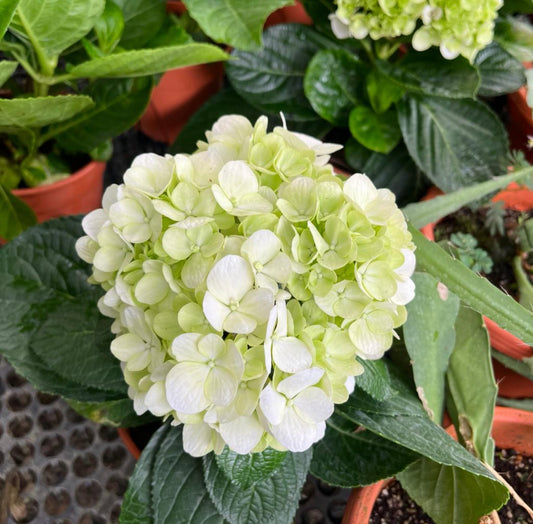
x=272, y=405
x=294, y=384
x=237, y=179
x=262, y=246
x=313, y=405
x=237, y=322
x=242, y=434
x=185, y=348
x=220, y=386
x=405, y=292
x=156, y=400
x=126, y=346
x=93, y=222
x=215, y=312
x=257, y=304
x=360, y=190
x=230, y=279
x=149, y=173
x=409, y=263
x=198, y=439
x=339, y=28
x=295, y=433
x=291, y=355
x=185, y=387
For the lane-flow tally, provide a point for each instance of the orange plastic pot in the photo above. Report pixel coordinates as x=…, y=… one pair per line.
x=81, y=192
x=512, y=429
x=520, y=120
x=510, y=384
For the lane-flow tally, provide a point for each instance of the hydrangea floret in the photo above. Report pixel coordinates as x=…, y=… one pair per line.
x=245, y=282
x=457, y=27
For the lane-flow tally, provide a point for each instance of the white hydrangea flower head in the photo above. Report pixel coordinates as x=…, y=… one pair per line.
x=457, y=27
x=246, y=281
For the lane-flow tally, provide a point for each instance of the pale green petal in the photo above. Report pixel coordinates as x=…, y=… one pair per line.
x=360, y=190
x=261, y=247
x=156, y=400
x=166, y=326
x=185, y=348
x=236, y=180
x=126, y=211
x=195, y=270
x=211, y=346
x=313, y=405
x=296, y=383
x=257, y=304
x=215, y=312
x=151, y=289
x=231, y=360
x=242, y=434
x=138, y=361
x=199, y=439
x=273, y=405
x=240, y=323
x=149, y=173
x=220, y=386
x=126, y=346
x=296, y=434
x=137, y=233
x=291, y=355
x=176, y=243
x=93, y=222
x=168, y=210
x=192, y=320
x=369, y=345
x=185, y=387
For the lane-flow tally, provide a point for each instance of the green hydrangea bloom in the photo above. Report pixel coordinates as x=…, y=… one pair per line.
x=244, y=280
x=457, y=27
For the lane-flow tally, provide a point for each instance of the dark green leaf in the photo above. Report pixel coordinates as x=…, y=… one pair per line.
x=41, y=111
x=375, y=380
x=45, y=282
x=142, y=21
x=500, y=72
x=7, y=10
x=319, y=12
x=378, y=132
x=451, y=495
x=471, y=385
x=145, y=62
x=429, y=336
x=118, y=105
x=515, y=35
x=109, y=27
x=334, y=83
x=53, y=25
x=454, y=142
x=349, y=456
x=382, y=91
x=225, y=102
x=273, y=500
x=237, y=23
x=517, y=6
x=395, y=171
x=474, y=290
x=430, y=73
x=117, y=413
x=247, y=470
x=15, y=215
x=271, y=79
x=137, y=507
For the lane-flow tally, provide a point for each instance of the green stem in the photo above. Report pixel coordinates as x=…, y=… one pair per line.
x=474, y=290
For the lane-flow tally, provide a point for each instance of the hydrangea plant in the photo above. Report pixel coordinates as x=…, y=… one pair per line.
x=458, y=28
x=244, y=280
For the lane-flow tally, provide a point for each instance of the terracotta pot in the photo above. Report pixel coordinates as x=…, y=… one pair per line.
x=81, y=192
x=520, y=120
x=510, y=384
x=290, y=14
x=512, y=429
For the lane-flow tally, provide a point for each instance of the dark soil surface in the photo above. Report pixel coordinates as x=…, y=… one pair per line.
x=394, y=506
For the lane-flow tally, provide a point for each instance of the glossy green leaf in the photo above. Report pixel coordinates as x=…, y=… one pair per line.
x=376, y=131
x=247, y=470
x=41, y=111
x=179, y=494
x=116, y=413
x=142, y=21
x=422, y=213
x=273, y=500
x=15, y=215
x=429, y=336
x=137, y=505
x=375, y=381
x=144, y=62
x=451, y=495
x=237, y=23
x=53, y=25
x=271, y=79
x=334, y=83
x=44, y=285
x=395, y=171
x=474, y=290
x=455, y=142
x=428, y=72
x=7, y=10
x=225, y=102
x=471, y=385
x=349, y=456
x=118, y=105
x=517, y=6
x=382, y=91
x=7, y=68
x=501, y=73
x=109, y=27
x=319, y=13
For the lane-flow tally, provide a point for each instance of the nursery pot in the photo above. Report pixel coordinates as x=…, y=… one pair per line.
x=81, y=192
x=512, y=429
x=179, y=94
x=510, y=384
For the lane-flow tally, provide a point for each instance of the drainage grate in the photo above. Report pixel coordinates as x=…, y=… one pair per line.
x=56, y=467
